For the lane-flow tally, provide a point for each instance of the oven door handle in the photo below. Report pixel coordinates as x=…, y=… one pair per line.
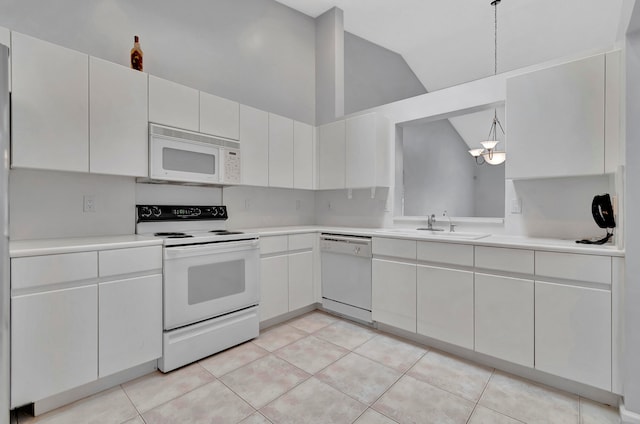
x=176, y=252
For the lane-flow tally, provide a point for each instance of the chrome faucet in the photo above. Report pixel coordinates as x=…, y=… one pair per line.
x=431, y=219
x=452, y=227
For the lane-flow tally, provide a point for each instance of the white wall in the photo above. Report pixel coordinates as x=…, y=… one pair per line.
x=333, y=207
x=438, y=171
x=329, y=51
x=375, y=76
x=47, y=204
x=172, y=194
x=251, y=207
x=258, y=52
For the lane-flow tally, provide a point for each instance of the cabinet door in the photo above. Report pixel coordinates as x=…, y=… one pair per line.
x=393, y=293
x=130, y=323
x=331, y=156
x=302, y=156
x=219, y=116
x=54, y=342
x=280, y=151
x=300, y=280
x=50, y=106
x=118, y=120
x=254, y=145
x=274, y=287
x=556, y=121
x=173, y=104
x=573, y=333
x=504, y=318
x=361, y=151
x=445, y=305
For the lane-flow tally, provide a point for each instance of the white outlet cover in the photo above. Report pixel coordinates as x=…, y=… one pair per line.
x=516, y=206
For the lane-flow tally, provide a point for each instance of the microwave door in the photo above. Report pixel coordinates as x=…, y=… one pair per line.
x=184, y=161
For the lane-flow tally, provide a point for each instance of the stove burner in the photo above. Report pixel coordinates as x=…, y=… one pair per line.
x=172, y=235
x=225, y=232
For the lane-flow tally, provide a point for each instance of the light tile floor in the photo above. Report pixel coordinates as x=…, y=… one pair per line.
x=321, y=369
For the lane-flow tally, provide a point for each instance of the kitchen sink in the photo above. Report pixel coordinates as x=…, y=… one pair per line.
x=420, y=232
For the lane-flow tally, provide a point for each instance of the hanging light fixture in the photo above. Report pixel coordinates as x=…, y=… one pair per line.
x=488, y=153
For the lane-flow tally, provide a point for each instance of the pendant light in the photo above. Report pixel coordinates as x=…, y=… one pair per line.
x=488, y=153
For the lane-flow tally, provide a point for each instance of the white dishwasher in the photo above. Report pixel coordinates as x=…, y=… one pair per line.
x=346, y=275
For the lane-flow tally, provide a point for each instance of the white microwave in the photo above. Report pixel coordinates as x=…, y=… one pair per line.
x=190, y=157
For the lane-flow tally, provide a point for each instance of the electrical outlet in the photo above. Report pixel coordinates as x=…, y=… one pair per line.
x=329, y=205
x=298, y=205
x=247, y=204
x=89, y=203
x=516, y=206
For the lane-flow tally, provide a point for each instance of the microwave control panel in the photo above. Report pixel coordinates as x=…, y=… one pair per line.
x=232, y=166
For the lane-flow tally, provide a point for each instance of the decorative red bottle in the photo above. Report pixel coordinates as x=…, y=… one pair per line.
x=136, y=54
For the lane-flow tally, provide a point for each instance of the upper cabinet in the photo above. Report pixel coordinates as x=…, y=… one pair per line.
x=280, y=151
x=254, y=145
x=118, y=120
x=173, y=104
x=354, y=153
x=219, y=116
x=50, y=106
x=564, y=120
x=303, y=156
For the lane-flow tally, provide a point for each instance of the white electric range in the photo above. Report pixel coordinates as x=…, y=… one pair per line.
x=211, y=281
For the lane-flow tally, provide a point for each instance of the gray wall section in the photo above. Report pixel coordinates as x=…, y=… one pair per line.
x=632, y=225
x=375, y=76
x=257, y=52
x=439, y=174
x=329, y=66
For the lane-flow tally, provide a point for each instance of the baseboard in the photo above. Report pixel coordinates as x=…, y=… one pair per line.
x=628, y=417
x=286, y=317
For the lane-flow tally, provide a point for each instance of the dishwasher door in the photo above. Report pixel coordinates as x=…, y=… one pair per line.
x=346, y=275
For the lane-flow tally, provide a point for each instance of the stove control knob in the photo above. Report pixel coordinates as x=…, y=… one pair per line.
x=156, y=211
x=221, y=211
x=214, y=211
x=145, y=212
x=196, y=212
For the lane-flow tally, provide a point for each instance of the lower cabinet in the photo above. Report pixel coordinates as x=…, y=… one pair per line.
x=54, y=342
x=504, y=318
x=573, y=332
x=445, y=305
x=130, y=323
x=286, y=274
x=393, y=300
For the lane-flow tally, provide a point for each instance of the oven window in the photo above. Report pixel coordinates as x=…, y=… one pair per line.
x=215, y=281
x=186, y=161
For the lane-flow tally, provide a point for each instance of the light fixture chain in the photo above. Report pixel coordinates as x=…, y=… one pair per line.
x=495, y=37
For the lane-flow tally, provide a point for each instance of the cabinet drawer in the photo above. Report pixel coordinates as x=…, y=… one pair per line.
x=301, y=241
x=395, y=248
x=572, y=266
x=447, y=253
x=273, y=244
x=501, y=259
x=126, y=261
x=52, y=269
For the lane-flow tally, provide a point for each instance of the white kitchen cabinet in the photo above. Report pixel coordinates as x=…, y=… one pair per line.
x=173, y=104
x=445, y=305
x=573, y=333
x=331, y=155
x=118, y=120
x=50, y=106
x=303, y=156
x=504, y=318
x=393, y=293
x=5, y=38
x=254, y=145
x=367, y=151
x=274, y=286
x=54, y=342
x=219, y=116
x=130, y=323
x=556, y=121
x=300, y=280
x=280, y=151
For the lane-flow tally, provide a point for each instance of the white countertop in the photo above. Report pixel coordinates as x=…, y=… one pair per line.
x=79, y=244
x=518, y=242
x=54, y=246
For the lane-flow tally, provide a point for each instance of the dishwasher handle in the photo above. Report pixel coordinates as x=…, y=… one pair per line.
x=345, y=245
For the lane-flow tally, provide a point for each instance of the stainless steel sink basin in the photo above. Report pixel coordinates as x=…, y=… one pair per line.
x=426, y=233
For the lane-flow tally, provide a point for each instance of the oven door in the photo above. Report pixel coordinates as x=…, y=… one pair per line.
x=184, y=160
x=207, y=280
